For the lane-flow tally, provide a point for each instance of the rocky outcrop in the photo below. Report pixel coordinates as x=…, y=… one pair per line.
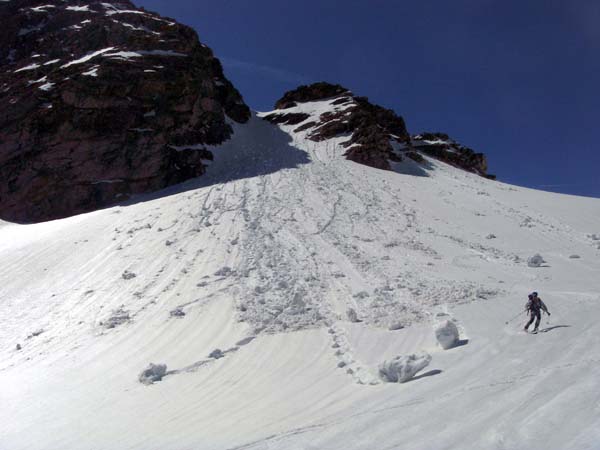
x=442, y=147
x=371, y=129
x=99, y=101
x=372, y=135
x=310, y=93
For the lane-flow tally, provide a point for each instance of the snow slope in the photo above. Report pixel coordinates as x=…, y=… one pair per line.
x=262, y=259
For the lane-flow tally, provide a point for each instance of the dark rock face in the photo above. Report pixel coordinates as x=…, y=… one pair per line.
x=99, y=101
x=377, y=136
x=287, y=119
x=442, y=147
x=310, y=93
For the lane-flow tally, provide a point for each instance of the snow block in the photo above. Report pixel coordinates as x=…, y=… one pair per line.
x=117, y=317
x=177, y=312
x=446, y=334
x=153, y=373
x=352, y=316
x=535, y=261
x=402, y=368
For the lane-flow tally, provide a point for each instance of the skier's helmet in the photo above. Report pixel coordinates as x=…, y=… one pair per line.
x=534, y=294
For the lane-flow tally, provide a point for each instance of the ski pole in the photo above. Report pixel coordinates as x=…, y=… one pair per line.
x=509, y=321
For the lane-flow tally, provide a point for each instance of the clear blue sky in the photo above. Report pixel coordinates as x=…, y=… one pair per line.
x=517, y=80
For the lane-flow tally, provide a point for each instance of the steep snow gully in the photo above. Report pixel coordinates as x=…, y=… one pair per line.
x=241, y=283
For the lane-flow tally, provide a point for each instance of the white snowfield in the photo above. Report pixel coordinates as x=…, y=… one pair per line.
x=239, y=283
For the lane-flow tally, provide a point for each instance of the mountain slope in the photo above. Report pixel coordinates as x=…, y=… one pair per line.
x=264, y=256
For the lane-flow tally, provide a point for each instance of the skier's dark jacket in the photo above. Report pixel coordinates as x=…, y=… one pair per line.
x=534, y=305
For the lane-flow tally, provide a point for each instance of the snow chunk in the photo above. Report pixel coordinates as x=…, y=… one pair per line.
x=127, y=275
x=352, y=316
x=153, y=373
x=35, y=333
x=535, y=261
x=402, y=368
x=177, y=312
x=447, y=334
x=216, y=354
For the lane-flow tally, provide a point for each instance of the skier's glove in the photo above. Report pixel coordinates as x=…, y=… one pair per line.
x=549, y=314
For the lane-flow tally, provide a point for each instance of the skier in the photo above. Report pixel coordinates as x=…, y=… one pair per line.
x=534, y=307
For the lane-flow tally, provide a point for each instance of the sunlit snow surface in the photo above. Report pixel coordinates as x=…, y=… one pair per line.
x=261, y=259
